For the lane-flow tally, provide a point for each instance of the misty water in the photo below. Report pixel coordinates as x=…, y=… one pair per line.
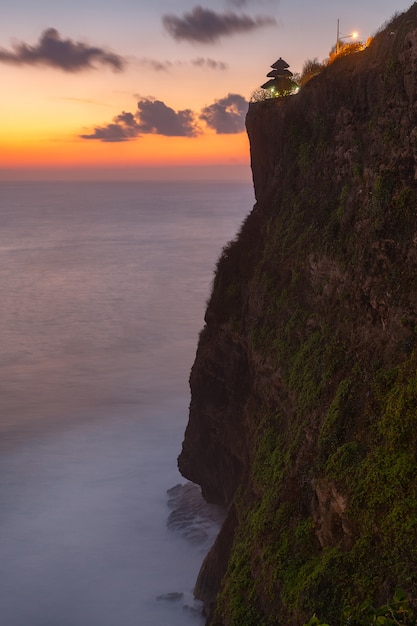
x=103, y=291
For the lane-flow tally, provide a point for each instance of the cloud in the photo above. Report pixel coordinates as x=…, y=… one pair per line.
x=227, y=115
x=123, y=128
x=243, y=3
x=64, y=54
x=157, y=118
x=166, y=66
x=155, y=65
x=206, y=26
x=210, y=63
x=152, y=117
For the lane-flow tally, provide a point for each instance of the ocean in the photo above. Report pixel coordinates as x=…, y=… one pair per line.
x=103, y=291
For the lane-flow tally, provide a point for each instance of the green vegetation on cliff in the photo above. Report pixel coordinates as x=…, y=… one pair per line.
x=303, y=417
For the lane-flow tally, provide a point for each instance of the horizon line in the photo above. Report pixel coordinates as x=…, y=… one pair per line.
x=232, y=172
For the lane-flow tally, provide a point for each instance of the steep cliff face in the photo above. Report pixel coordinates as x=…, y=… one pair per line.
x=303, y=417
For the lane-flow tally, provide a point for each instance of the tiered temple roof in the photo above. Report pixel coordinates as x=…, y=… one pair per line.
x=280, y=77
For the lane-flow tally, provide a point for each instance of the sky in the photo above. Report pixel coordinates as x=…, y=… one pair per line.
x=159, y=89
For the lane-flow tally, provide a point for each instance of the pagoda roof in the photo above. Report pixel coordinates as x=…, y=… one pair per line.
x=276, y=73
x=280, y=84
x=269, y=84
x=280, y=64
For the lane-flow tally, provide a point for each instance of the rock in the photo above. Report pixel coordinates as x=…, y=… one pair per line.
x=303, y=420
x=174, y=596
x=195, y=519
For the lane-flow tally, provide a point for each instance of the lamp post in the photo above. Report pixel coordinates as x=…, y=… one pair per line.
x=339, y=36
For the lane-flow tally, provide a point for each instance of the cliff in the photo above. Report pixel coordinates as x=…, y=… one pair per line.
x=303, y=415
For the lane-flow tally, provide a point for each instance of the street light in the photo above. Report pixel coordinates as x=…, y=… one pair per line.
x=339, y=36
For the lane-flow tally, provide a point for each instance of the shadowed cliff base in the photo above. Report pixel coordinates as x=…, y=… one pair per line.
x=303, y=417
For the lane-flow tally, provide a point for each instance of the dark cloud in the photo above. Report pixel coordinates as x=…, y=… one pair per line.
x=123, y=128
x=155, y=117
x=65, y=54
x=166, y=66
x=227, y=115
x=205, y=26
x=238, y=3
x=155, y=65
x=243, y=3
x=210, y=63
x=152, y=117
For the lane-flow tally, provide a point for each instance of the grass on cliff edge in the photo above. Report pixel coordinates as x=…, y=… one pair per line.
x=396, y=612
x=278, y=574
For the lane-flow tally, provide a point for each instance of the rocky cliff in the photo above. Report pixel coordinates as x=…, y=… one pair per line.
x=303, y=415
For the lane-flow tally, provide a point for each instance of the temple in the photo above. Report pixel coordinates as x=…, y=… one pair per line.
x=280, y=81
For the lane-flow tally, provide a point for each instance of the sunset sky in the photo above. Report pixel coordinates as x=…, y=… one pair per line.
x=135, y=89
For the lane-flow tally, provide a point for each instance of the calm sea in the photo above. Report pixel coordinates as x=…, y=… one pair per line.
x=103, y=290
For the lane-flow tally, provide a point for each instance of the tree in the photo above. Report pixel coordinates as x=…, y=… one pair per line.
x=311, y=68
x=345, y=49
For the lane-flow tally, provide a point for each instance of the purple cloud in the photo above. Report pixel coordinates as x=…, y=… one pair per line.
x=157, y=118
x=206, y=26
x=152, y=117
x=227, y=115
x=155, y=64
x=209, y=63
x=123, y=128
x=242, y=3
x=165, y=66
x=64, y=54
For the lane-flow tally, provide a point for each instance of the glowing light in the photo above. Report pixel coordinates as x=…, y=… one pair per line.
x=340, y=36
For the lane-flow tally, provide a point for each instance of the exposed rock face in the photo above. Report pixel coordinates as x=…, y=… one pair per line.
x=328, y=510
x=303, y=418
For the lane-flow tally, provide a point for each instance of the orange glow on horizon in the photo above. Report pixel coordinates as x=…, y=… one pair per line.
x=150, y=150
x=64, y=106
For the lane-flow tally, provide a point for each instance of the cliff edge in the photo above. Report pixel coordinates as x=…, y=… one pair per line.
x=303, y=415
